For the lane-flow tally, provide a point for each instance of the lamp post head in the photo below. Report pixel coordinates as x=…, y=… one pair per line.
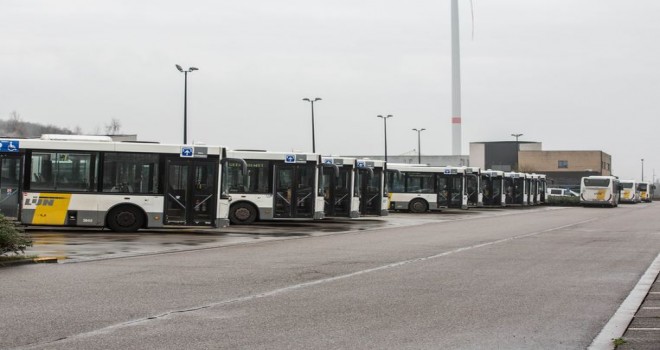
x=179, y=68
x=192, y=69
x=388, y=116
x=306, y=99
x=317, y=99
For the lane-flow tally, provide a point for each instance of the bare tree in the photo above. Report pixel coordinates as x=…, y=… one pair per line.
x=14, y=124
x=113, y=127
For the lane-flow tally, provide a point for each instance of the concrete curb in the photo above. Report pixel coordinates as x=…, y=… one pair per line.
x=27, y=261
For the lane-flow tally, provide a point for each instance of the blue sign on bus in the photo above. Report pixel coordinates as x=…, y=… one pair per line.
x=187, y=152
x=9, y=146
x=290, y=158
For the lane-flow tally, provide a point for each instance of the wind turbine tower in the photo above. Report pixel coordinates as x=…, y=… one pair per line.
x=455, y=81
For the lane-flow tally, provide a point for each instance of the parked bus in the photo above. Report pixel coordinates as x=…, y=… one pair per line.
x=516, y=188
x=492, y=185
x=542, y=188
x=536, y=189
x=600, y=190
x=421, y=188
x=629, y=192
x=72, y=180
x=473, y=186
x=338, y=183
x=646, y=190
x=277, y=186
x=370, y=187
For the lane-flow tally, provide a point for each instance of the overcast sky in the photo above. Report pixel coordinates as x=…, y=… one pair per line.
x=574, y=75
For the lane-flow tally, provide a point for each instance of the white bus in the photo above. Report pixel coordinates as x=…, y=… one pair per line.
x=646, y=190
x=422, y=188
x=473, y=186
x=492, y=188
x=339, y=187
x=277, y=186
x=629, y=192
x=600, y=190
x=370, y=186
x=516, y=188
x=69, y=180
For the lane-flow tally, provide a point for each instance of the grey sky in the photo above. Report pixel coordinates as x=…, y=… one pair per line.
x=579, y=74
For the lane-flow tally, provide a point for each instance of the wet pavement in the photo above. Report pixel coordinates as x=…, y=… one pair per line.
x=82, y=244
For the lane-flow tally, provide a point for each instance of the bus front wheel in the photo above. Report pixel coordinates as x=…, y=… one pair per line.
x=125, y=219
x=418, y=206
x=242, y=214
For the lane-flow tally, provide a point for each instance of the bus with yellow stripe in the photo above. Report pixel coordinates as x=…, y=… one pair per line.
x=68, y=180
x=600, y=191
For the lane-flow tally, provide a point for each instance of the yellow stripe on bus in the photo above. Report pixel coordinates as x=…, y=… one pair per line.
x=51, y=209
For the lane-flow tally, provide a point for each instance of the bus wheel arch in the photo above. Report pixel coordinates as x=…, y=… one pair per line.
x=243, y=213
x=418, y=205
x=125, y=218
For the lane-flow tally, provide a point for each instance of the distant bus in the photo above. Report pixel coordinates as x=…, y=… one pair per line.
x=69, y=180
x=422, y=188
x=492, y=185
x=646, y=191
x=277, y=186
x=629, y=192
x=338, y=181
x=537, y=189
x=600, y=190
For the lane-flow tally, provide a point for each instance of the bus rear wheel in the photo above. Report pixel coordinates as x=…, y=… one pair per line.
x=242, y=214
x=418, y=206
x=125, y=219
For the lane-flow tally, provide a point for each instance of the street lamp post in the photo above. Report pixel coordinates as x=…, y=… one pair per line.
x=385, y=124
x=516, y=136
x=419, y=145
x=185, y=99
x=312, y=103
x=642, y=169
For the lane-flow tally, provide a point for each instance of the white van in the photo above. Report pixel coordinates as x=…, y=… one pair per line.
x=560, y=192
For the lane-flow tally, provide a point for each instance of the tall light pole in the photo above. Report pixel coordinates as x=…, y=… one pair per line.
x=185, y=100
x=419, y=145
x=516, y=136
x=312, y=103
x=385, y=124
x=642, y=169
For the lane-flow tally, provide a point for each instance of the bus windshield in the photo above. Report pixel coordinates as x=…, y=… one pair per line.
x=642, y=187
x=626, y=185
x=596, y=182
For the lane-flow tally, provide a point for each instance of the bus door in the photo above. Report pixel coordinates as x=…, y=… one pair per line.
x=191, y=193
x=472, y=181
x=337, y=191
x=11, y=165
x=294, y=190
x=487, y=189
x=450, y=191
x=370, y=191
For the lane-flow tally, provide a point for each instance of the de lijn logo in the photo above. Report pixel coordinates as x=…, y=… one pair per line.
x=42, y=201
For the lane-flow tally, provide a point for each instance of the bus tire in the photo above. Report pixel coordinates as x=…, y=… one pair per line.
x=242, y=214
x=418, y=206
x=125, y=218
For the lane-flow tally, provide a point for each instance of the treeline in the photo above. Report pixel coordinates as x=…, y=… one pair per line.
x=15, y=127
